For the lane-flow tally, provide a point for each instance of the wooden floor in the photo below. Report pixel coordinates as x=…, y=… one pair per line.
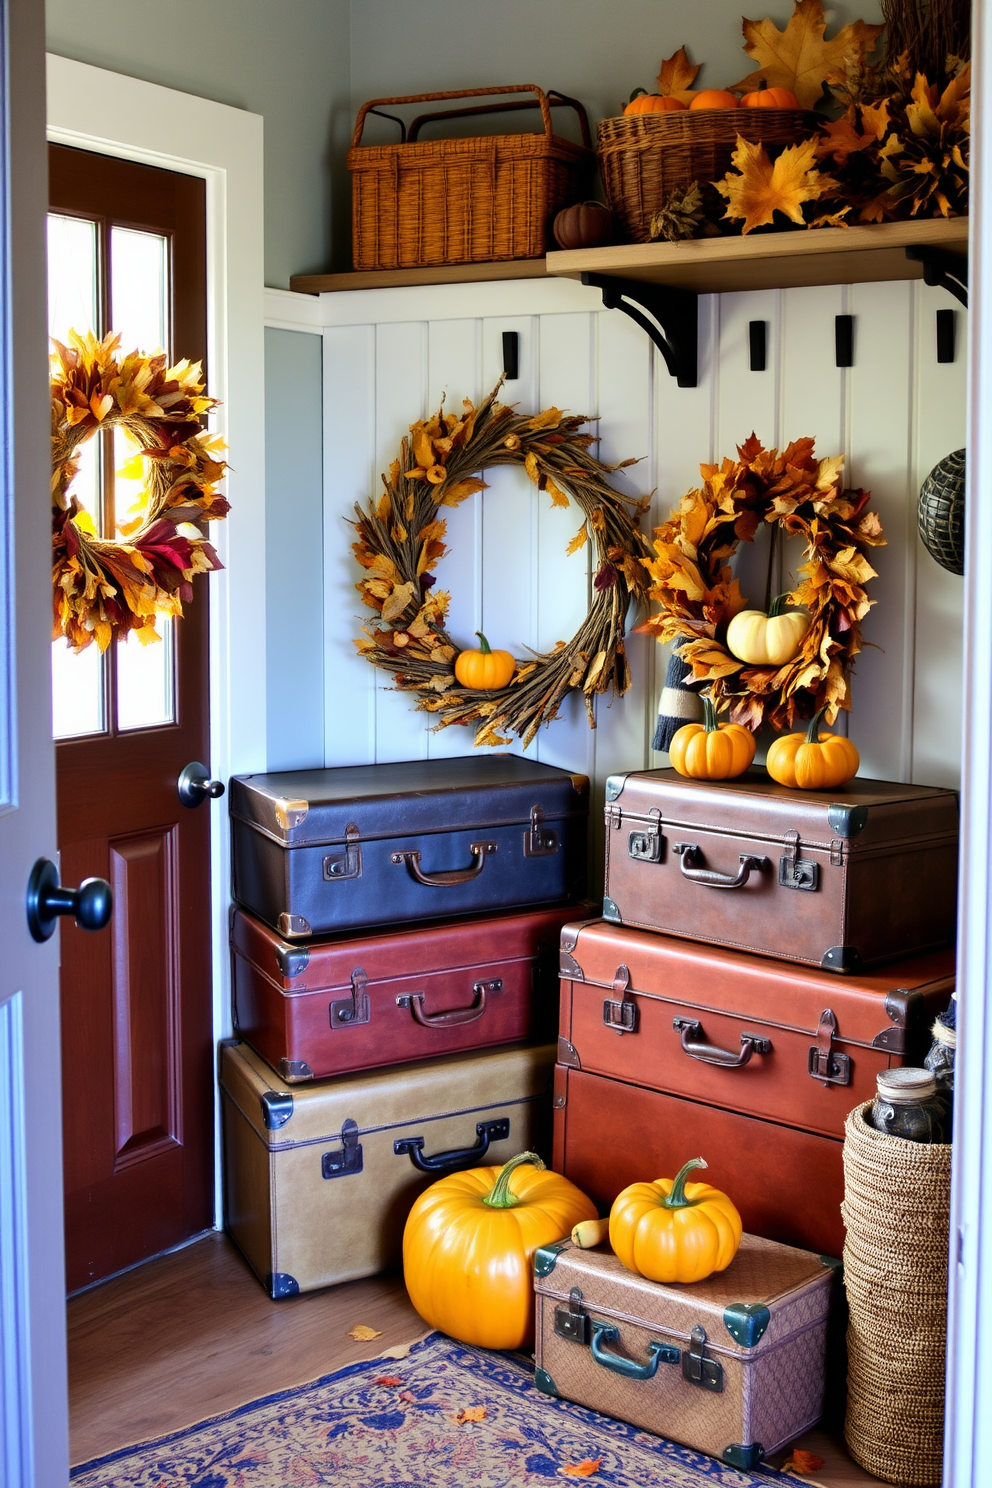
x=191, y=1334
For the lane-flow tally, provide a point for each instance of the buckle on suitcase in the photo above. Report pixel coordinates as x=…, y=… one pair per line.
x=346, y=1012
x=349, y=1160
x=697, y=1368
x=795, y=872
x=539, y=842
x=572, y=1322
x=349, y=863
x=620, y=1013
x=825, y=1062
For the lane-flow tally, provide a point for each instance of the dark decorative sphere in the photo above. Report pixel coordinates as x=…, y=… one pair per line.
x=941, y=512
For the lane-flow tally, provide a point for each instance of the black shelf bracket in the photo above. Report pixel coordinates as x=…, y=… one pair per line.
x=943, y=270
x=674, y=323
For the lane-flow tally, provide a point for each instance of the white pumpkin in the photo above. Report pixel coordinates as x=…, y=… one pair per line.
x=767, y=640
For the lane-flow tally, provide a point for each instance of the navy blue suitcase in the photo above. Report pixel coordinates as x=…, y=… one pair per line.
x=316, y=851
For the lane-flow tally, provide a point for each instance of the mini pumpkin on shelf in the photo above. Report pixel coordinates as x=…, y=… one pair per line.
x=652, y=103
x=779, y=98
x=711, y=750
x=671, y=1230
x=586, y=224
x=484, y=669
x=807, y=762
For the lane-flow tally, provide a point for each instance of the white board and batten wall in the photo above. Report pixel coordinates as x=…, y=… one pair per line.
x=390, y=355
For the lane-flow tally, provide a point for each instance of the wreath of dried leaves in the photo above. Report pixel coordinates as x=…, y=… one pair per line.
x=693, y=583
x=401, y=539
x=103, y=587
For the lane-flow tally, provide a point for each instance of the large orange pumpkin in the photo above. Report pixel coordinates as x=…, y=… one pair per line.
x=771, y=98
x=807, y=762
x=469, y=1243
x=652, y=103
x=715, y=98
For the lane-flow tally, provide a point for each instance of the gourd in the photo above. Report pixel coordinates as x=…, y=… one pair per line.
x=651, y=103
x=590, y=1232
x=710, y=750
x=484, y=670
x=469, y=1244
x=807, y=762
x=715, y=98
x=584, y=225
x=767, y=640
x=771, y=98
x=671, y=1230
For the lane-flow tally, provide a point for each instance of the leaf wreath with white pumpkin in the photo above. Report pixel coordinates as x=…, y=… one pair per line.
x=692, y=580
x=401, y=539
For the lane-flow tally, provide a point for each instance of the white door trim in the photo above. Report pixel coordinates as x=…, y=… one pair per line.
x=93, y=109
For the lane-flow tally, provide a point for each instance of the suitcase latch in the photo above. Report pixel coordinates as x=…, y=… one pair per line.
x=825, y=1062
x=795, y=872
x=572, y=1322
x=346, y=1012
x=613, y=815
x=349, y=863
x=620, y=1012
x=348, y=1159
x=647, y=846
x=539, y=842
x=697, y=1368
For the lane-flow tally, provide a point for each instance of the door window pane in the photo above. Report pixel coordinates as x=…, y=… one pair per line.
x=78, y=681
x=139, y=289
x=145, y=679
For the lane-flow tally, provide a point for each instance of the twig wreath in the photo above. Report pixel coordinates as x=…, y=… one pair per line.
x=103, y=587
x=401, y=538
x=693, y=583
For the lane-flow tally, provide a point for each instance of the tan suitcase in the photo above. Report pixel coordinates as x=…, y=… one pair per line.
x=732, y=1366
x=318, y=1180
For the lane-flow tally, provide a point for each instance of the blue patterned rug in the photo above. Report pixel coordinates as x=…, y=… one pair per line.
x=416, y=1423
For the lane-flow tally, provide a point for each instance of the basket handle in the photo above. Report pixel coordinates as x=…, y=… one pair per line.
x=542, y=101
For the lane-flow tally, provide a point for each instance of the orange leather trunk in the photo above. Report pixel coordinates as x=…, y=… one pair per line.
x=753, y=1064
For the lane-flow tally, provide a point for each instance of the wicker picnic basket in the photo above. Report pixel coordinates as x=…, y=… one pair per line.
x=467, y=200
x=643, y=158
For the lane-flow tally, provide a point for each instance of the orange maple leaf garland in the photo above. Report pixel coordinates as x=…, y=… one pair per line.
x=692, y=581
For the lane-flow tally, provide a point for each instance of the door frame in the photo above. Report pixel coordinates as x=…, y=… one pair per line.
x=94, y=109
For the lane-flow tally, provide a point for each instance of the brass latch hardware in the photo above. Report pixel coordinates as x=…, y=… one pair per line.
x=795, y=872
x=346, y=1012
x=539, y=842
x=825, y=1062
x=648, y=846
x=349, y=863
x=620, y=1012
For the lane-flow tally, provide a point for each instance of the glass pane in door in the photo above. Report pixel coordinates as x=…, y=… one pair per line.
x=78, y=680
x=139, y=309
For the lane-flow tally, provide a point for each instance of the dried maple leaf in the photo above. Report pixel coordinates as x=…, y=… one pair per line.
x=676, y=76
x=578, y=541
x=799, y=58
x=362, y=1333
x=470, y=1413
x=388, y=1381
x=762, y=188
x=585, y=1469
x=803, y=1462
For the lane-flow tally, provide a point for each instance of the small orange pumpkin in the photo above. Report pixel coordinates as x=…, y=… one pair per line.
x=780, y=98
x=709, y=750
x=584, y=225
x=715, y=98
x=484, y=670
x=652, y=103
x=807, y=762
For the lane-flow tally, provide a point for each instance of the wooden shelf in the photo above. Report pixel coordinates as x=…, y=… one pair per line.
x=785, y=260
x=474, y=273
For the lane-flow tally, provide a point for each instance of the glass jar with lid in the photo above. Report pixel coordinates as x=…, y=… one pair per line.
x=909, y=1105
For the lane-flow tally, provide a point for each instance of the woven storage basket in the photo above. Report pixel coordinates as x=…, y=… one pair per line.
x=643, y=158
x=896, y=1209
x=466, y=200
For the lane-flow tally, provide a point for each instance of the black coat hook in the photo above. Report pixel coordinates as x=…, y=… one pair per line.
x=844, y=340
x=511, y=355
x=945, y=335
x=757, y=335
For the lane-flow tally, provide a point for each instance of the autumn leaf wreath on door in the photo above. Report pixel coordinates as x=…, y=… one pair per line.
x=103, y=587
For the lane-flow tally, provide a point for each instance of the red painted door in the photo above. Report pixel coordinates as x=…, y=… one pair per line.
x=127, y=251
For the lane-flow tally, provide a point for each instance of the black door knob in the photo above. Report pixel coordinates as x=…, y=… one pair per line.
x=91, y=904
x=195, y=785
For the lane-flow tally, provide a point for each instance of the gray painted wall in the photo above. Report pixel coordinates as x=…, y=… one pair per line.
x=294, y=555
x=306, y=65
x=285, y=59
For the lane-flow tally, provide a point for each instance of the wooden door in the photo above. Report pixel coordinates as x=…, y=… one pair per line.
x=127, y=251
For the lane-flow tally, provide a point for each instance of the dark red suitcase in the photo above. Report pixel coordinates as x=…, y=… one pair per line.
x=352, y=1003
x=740, y=1051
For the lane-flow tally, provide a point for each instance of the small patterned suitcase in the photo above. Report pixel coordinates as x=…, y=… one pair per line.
x=732, y=1366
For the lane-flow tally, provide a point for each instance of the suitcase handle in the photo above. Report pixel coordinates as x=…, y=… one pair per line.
x=697, y=1048
x=459, y=1157
x=690, y=854
x=451, y=876
x=415, y=1002
x=658, y=1353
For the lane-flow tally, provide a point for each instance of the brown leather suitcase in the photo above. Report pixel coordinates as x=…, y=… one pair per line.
x=347, y=1003
x=732, y=1366
x=844, y=879
x=319, y=1180
x=787, y=1183
x=789, y=1044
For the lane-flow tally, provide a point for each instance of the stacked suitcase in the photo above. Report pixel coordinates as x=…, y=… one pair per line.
x=394, y=959
x=681, y=1035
